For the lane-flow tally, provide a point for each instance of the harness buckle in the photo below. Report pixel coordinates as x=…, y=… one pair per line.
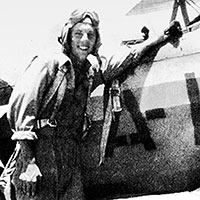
x=52, y=123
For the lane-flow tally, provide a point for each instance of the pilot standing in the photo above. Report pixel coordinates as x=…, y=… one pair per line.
x=47, y=106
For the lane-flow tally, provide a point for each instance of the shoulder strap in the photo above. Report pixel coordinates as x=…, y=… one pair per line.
x=111, y=106
x=60, y=96
x=106, y=128
x=87, y=121
x=56, y=83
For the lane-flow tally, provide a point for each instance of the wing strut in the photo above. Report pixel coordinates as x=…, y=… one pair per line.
x=182, y=5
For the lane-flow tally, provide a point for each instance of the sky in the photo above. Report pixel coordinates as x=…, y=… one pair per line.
x=29, y=27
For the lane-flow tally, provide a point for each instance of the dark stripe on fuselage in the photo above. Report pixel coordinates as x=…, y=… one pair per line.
x=143, y=134
x=194, y=98
x=155, y=113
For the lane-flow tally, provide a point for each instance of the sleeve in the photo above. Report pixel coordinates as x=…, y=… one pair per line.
x=114, y=65
x=25, y=100
x=125, y=57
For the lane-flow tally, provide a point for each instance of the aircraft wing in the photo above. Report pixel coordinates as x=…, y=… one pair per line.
x=147, y=6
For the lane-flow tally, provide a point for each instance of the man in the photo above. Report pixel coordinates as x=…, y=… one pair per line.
x=47, y=106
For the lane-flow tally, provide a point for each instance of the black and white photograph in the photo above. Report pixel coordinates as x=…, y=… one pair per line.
x=100, y=100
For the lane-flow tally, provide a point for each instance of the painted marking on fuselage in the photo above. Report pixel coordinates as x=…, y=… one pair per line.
x=194, y=98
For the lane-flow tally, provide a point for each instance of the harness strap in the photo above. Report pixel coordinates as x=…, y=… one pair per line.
x=41, y=123
x=87, y=121
x=113, y=107
x=60, y=96
x=106, y=128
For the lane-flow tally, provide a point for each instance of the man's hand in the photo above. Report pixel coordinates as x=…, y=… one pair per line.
x=29, y=178
x=174, y=29
x=174, y=32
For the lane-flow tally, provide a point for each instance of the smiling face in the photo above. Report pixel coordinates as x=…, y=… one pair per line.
x=83, y=38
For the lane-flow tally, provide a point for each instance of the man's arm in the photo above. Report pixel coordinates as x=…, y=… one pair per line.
x=22, y=112
x=170, y=35
x=133, y=57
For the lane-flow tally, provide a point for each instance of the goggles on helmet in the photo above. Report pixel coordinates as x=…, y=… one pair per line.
x=77, y=16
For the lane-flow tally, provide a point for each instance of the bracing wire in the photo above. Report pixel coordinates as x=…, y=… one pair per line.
x=193, y=4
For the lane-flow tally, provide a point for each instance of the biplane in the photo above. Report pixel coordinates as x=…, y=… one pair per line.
x=160, y=102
